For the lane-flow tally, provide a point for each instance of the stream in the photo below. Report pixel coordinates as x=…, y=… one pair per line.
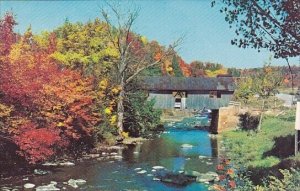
x=133, y=169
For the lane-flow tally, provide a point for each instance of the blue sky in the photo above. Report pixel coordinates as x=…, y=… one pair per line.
x=206, y=34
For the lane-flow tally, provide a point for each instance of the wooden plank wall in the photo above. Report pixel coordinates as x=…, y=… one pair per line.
x=166, y=100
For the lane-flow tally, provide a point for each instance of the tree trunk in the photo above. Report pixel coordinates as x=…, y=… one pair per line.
x=121, y=109
x=261, y=116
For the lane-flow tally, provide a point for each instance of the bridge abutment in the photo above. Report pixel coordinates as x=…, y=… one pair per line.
x=214, y=121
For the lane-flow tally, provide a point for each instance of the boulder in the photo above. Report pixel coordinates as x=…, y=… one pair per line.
x=205, y=178
x=175, y=178
x=76, y=183
x=29, y=186
x=49, y=187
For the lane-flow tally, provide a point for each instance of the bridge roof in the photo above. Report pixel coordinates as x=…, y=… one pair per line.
x=188, y=83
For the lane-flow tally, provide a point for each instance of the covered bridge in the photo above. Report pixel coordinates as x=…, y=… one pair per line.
x=189, y=93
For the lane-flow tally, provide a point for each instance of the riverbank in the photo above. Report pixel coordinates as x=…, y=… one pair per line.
x=263, y=153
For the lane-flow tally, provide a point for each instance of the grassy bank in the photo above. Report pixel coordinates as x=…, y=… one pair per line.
x=264, y=152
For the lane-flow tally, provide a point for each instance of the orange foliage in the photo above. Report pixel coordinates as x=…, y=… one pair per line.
x=186, y=71
x=54, y=105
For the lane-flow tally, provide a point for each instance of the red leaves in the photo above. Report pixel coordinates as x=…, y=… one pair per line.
x=7, y=36
x=185, y=68
x=55, y=104
x=38, y=144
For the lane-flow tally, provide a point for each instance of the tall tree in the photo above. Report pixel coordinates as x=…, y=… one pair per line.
x=129, y=64
x=176, y=68
x=269, y=24
x=7, y=35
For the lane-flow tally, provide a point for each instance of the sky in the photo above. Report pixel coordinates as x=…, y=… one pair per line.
x=206, y=35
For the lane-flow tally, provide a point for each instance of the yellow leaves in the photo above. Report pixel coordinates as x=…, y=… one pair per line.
x=210, y=73
x=60, y=124
x=268, y=69
x=144, y=40
x=113, y=120
x=5, y=110
x=103, y=84
x=116, y=90
x=169, y=69
x=108, y=111
x=125, y=134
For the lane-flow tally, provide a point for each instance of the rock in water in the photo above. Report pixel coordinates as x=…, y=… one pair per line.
x=205, y=178
x=178, y=179
x=202, y=157
x=66, y=164
x=80, y=182
x=40, y=172
x=136, y=169
x=50, y=164
x=158, y=167
x=74, y=183
x=49, y=187
x=186, y=146
x=192, y=173
x=142, y=172
x=29, y=185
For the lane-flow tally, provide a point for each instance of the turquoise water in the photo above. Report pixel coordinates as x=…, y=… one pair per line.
x=164, y=150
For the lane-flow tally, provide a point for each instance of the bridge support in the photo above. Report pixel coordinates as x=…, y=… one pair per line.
x=214, y=121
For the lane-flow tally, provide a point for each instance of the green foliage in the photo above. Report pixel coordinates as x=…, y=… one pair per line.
x=152, y=71
x=244, y=91
x=267, y=81
x=268, y=24
x=234, y=72
x=288, y=182
x=249, y=149
x=263, y=82
x=176, y=68
x=140, y=116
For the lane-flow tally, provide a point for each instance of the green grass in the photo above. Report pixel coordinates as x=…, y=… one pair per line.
x=249, y=148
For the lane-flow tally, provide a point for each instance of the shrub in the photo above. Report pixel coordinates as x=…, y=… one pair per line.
x=140, y=116
x=249, y=121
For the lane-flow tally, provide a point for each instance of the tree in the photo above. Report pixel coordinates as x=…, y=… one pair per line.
x=268, y=24
x=7, y=35
x=129, y=65
x=244, y=90
x=47, y=108
x=266, y=84
x=176, y=68
x=141, y=117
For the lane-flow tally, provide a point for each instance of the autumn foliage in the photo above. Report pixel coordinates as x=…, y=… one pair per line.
x=45, y=107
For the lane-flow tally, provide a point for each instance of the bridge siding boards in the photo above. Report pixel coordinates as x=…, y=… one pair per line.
x=193, y=101
x=197, y=91
x=198, y=101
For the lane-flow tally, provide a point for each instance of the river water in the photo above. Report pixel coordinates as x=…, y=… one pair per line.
x=122, y=174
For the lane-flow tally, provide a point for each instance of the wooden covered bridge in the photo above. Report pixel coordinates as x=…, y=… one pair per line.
x=191, y=93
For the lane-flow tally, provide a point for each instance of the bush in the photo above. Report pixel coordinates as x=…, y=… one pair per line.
x=140, y=116
x=249, y=121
